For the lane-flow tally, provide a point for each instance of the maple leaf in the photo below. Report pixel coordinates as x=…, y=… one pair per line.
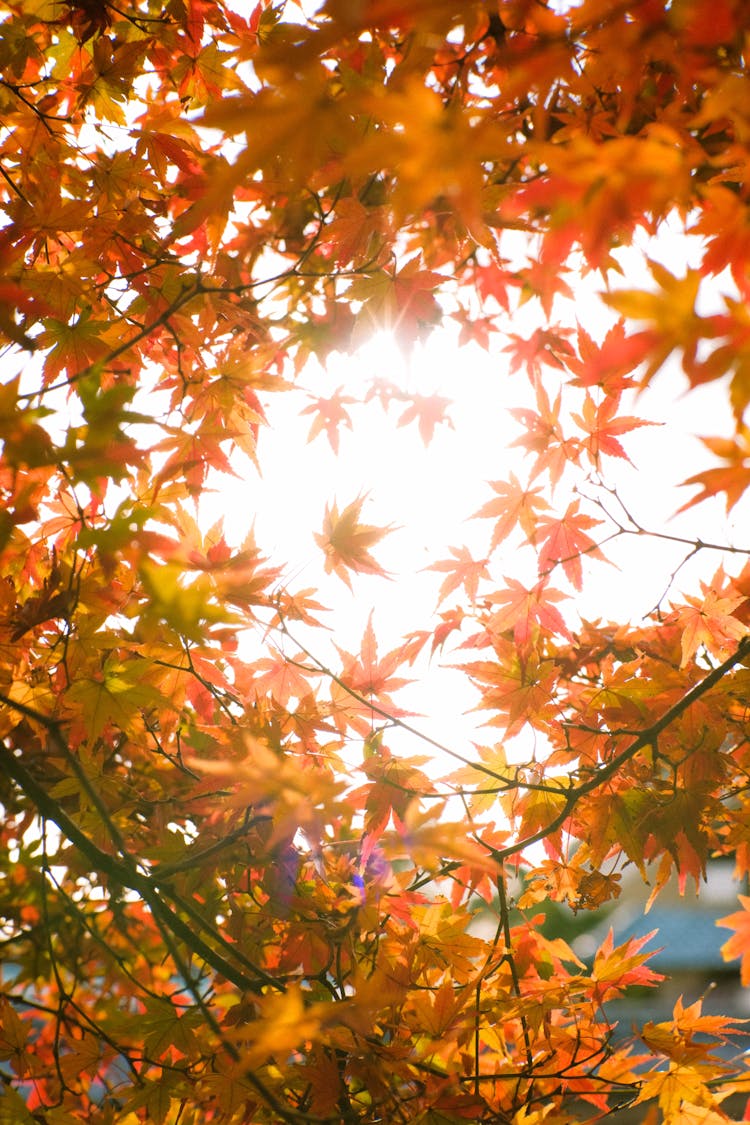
x=539, y=810
x=733, y=479
x=523, y=609
x=709, y=621
x=617, y=968
x=608, y=365
x=564, y=541
x=493, y=281
x=542, y=347
x=14, y=1034
x=369, y=674
x=684, y=1091
x=739, y=944
x=450, y=621
x=522, y=690
x=281, y=678
x=353, y=232
x=514, y=507
x=462, y=570
x=427, y=841
x=430, y=411
x=603, y=425
x=329, y=415
x=676, y=1037
x=286, y=1020
x=670, y=311
x=395, y=784
x=73, y=346
x=544, y=437
x=347, y=542
x=400, y=302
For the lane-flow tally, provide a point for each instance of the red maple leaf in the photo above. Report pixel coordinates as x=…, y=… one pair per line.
x=608, y=365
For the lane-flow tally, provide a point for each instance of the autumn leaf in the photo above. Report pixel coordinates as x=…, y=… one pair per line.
x=400, y=302
x=539, y=810
x=395, y=784
x=709, y=621
x=240, y=879
x=608, y=365
x=520, y=690
x=683, y=1087
x=524, y=609
x=329, y=415
x=565, y=541
x=542, y=347
x=368, y=675
x=429, y=411
x=738, y=945
x=543, y=436
x=14, y=1033
x=73, y=347
x=286, y=1021
x=514, y=507
x=461, y=571
x=346, y=542
x=352, y=234
x=689, y=1034
x=604, y=426
x=617, y=967
x=493, y=281
x=731, y=479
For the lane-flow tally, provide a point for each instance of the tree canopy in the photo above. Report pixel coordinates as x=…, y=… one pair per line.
x=239, y=880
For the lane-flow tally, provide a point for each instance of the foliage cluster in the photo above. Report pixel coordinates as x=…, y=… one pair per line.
x=225, y=897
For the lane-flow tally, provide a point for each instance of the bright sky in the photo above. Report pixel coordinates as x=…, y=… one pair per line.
x=428, y=493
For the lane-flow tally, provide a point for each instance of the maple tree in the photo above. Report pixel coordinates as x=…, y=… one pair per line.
x=234, y=888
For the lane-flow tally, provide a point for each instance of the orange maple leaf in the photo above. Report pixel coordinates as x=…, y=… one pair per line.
x=565, y=541
x=617, y=968
x=676, y=1037
x=520, y=691
x=515, y=506
x=739, y=944
x=350, y=235
x=544, y=437
x=541, y=347
x=346, y=542
x=708, y=621
x=607, y=365
x=603, y=426
x=732, y=478
x=522, y=609
x=462, y=570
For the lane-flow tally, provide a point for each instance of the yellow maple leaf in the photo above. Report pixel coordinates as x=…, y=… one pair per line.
x=347, y=542
x=287, y=1020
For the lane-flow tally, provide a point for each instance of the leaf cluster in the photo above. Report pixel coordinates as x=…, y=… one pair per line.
x=227, y=895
